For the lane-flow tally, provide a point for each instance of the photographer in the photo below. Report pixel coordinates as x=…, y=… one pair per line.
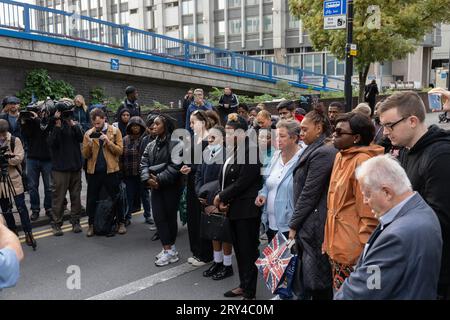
x=64, y=141
x=10, y=255
x=102, y=147
x=38, y=158
x=11, y=187
x=10, y=113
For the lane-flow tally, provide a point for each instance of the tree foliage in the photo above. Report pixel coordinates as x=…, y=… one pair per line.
x=404, y=23
x=41, y=85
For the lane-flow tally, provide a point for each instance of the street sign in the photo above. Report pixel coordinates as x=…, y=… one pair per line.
x=335, y=22
x=353, y=50
x=334, y=7
x=115, y=64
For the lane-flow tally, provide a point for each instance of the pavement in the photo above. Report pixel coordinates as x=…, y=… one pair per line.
x=117, y=268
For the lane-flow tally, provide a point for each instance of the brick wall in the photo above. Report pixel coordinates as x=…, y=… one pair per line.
x=13, y=75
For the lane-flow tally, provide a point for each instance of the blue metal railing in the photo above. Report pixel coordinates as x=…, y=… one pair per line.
x=56, y=23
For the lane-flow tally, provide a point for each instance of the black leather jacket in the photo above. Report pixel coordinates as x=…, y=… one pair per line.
x=159, y=152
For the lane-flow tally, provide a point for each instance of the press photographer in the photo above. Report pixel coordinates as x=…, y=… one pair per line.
x=64, y=142
x=38, y=160
x=11, y=187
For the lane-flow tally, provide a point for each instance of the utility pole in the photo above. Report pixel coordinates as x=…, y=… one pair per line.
x=349, y=58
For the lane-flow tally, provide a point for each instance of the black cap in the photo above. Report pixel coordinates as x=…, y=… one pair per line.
x=129, y=90
x=11, y=100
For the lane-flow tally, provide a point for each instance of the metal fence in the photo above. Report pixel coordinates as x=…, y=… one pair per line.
x=56, y=23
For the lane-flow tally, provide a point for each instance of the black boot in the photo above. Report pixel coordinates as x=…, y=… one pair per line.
x=224, y=272
x=29, y=239
x=34, y=216
x=216, y=266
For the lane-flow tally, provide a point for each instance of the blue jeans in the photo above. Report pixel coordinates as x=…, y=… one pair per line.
x=35, y=168
x=23, y=212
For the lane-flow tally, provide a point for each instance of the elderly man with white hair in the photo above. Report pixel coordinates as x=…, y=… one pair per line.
x=402, y=258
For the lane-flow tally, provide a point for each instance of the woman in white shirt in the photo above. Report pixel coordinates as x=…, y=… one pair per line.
x=277, y=193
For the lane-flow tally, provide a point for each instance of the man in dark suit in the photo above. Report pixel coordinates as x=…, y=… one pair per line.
x=402, y=258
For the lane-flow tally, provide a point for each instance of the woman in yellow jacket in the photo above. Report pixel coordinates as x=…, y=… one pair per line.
x=350, y=221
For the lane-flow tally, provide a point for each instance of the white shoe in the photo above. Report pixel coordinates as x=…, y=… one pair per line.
x=191, y=260
x=198, y=263
x=277, y=297
x=152, y=227
x=159, y=255
x=167, y=258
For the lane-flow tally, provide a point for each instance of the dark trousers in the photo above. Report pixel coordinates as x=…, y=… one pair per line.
x=133, y=187
x=63, y=182
x=146, y=201
x=245, y=235
x=165, y=204
x=200, y=248
x=36, y=168
x=19, y=200
x=96, y=183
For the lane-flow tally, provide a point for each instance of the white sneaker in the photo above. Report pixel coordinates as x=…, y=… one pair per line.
x=152, y=227
x=198, y=263
x=159, y=255
x=166, y=259
x=191, y=260
x=277, y=297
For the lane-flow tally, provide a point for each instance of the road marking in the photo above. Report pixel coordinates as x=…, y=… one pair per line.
x=49, y=232
x=144, y=283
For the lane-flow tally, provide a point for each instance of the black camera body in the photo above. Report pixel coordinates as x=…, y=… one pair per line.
x=4, y=160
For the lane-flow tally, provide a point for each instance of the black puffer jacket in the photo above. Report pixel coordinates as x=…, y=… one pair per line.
x=158, y=152
x=427, y=166
x=311, y=180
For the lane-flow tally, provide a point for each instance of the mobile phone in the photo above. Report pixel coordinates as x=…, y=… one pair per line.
x=95, y=135
x=435, y=102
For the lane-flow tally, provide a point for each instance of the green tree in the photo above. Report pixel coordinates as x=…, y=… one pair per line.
x=404, y=23
x=41, y=85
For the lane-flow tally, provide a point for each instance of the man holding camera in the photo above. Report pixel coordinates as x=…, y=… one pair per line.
x=37, y=158
x=11, y=187
x=102, y=147
x=64, y=141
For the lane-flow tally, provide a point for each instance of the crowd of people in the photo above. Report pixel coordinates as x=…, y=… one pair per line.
x=359, y=192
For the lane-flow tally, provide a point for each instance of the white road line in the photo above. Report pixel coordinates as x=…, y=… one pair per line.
x=144, y=283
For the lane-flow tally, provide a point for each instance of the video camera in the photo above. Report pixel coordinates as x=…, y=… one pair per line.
x=4, y=160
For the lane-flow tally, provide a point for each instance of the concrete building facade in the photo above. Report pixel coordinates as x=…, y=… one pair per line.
x=260, y=28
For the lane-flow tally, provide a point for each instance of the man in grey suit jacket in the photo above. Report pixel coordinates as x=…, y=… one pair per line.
x=402, y=258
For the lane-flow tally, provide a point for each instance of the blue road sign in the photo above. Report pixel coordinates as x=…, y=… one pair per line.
x=115, y=64
x=334, y=7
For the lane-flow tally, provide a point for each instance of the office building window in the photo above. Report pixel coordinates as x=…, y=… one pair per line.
x=252, y=24
x=220, y=4
x=188, y=32
x=188, y=7
x=200, y=31
x=200, y=6
x=234, y=26
x=294, y=23
x=234, y=3
x=268, y=26
x=221, y=28
x=251, y=2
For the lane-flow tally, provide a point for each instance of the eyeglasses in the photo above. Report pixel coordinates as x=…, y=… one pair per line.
x=390, y=126
x=338, y=132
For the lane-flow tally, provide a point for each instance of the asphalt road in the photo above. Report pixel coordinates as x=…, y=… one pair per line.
x=121, y=267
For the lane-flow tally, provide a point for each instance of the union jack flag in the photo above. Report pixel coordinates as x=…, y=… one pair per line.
x=274, y=261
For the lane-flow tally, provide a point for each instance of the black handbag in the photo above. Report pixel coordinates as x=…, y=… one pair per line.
x=215, y=226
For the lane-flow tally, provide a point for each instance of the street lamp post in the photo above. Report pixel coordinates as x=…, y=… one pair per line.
x=349, y=59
